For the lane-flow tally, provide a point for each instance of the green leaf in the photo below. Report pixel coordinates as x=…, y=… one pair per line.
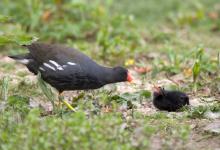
x=200, y=53
x=218, y=60
x=197, y=112
x=145, y=93
x=24, y=39
x=4, y=40
x=139, y=95
x=4, y=19
x=196, y=70
x=46, y=89
x=19, y=103
x=17, y=39
x=17, y=100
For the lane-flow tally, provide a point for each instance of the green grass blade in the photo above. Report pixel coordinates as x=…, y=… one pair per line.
x=4, y=92
x=46, y=89
x=196, y=70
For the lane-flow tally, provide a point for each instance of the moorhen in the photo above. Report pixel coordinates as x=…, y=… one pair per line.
x=169, y=100
x=66, y=68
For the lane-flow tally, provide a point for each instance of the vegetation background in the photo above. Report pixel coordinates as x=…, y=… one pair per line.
x=171, y=43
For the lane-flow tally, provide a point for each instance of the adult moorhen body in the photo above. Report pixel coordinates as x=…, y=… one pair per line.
x=66, y=68
x=169, y=100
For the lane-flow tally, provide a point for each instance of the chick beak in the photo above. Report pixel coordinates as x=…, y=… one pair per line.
x=129, y=77
x=157, y=89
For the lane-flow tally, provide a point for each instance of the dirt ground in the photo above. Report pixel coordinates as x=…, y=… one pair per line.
x=198, y=137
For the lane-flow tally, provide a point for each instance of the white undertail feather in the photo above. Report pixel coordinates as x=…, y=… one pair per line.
x=23, y=61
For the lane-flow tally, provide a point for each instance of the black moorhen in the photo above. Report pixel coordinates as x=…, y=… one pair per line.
x=169, y=100
x=66, y=68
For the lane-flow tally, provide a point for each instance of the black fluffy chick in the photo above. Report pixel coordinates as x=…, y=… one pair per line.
x=169, y=100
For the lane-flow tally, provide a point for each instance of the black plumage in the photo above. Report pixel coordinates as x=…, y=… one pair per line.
x=169, y=100
x=66, y=68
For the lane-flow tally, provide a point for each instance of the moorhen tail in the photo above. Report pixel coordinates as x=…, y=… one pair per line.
x=66, y=68
x=169, y=100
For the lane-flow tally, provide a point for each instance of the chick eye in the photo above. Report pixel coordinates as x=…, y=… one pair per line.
x=184, y=98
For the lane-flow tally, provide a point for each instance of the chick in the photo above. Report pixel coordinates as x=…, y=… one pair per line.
x=169, y=100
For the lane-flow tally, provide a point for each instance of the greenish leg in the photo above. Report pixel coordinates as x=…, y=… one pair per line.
x=61, y=99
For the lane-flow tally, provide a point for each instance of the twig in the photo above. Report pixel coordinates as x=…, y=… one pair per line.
x=172, y=80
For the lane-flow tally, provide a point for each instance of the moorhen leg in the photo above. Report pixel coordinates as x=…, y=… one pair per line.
x=61, y=99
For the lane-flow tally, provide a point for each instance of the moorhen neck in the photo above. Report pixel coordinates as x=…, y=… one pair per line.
x=66, y=68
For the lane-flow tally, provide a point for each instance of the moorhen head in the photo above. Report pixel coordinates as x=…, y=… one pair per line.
x=66, y=68
x=169, y=100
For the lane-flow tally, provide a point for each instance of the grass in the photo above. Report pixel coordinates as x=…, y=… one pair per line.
x=174, y=40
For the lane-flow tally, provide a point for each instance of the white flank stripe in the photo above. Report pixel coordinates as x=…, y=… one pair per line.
x=71, y=63
x=59, y=67
x=41, y=69
x=54, y=63
x=49, y=66
x=23, y=61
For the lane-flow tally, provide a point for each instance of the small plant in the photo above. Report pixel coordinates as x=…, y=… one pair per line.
x=19, y=104
x=191, y=18
x=197, y=67
x=46, y=90
x=174, y=62
x=197, y=112
x=4, y=92
x=218, y=63
x=19, y=37
x=128, y=98
x=196, y=71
